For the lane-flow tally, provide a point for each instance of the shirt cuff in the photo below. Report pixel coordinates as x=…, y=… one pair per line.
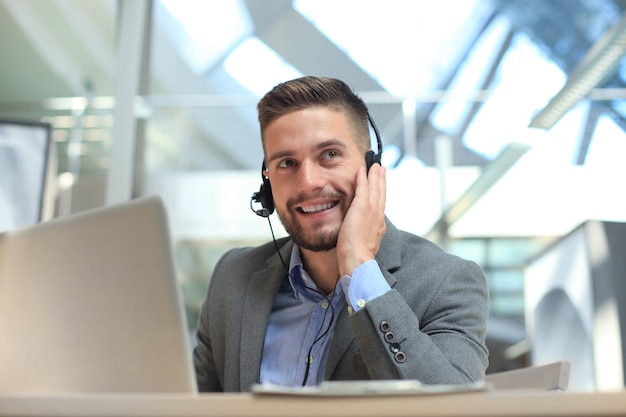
x=366, y=283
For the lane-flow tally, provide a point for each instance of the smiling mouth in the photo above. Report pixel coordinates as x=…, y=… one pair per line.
x=317, y=207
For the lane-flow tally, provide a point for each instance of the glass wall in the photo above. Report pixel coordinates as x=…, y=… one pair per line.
x=453, y=86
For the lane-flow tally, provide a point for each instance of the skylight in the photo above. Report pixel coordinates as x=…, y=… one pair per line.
x=243, y=65
x=526, y=82
x=206, y=30
x=608, y=147
x=375, y=35
x=449, y=116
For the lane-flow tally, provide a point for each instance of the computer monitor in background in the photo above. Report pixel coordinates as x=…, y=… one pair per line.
x=25, y=159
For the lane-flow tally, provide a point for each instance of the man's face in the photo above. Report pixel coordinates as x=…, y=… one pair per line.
x=312, y=160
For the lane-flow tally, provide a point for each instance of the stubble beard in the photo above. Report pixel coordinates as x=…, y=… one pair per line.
x=323, y=238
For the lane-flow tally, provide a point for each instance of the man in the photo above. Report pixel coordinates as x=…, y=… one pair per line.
x=347, y=296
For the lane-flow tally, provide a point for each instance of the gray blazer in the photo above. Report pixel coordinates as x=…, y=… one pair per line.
x=436, y=314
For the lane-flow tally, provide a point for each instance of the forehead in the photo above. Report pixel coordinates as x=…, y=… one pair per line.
x=306, y=127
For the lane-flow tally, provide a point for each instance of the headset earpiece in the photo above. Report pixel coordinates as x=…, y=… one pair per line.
x=372, y=158
x=263, y=196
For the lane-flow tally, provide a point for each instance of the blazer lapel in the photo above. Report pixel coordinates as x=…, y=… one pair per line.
x=258, y=303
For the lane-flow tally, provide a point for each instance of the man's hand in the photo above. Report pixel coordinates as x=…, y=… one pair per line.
x=364, y=225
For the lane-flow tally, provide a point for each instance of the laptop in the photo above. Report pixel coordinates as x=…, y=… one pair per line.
x=90, y=303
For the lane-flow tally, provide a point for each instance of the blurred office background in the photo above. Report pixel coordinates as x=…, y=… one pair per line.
x=502, y=123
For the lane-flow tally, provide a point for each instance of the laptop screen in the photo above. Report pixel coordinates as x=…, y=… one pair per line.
x=90, y=303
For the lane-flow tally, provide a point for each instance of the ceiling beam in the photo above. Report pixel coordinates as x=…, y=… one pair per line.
x=600, y=62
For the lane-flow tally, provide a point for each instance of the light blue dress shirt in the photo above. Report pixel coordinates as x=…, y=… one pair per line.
x=303, y=319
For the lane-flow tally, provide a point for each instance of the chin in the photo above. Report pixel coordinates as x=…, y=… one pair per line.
x=318, y=241
x=318, y=246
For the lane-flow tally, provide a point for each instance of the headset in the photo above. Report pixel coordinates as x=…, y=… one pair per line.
x=265, y=197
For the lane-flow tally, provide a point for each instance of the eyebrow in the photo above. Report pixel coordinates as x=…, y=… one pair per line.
x=319, y=146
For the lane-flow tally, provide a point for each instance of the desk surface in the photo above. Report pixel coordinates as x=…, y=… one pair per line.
x=494, y=403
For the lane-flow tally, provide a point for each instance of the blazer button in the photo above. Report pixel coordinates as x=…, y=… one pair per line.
x=385, y=326
x=400, y=357
x=390, y=337
x=394, y=347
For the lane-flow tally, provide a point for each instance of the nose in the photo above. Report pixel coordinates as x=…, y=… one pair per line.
x=310, y=177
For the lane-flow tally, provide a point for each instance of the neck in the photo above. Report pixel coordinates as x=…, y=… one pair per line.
x=322, y=267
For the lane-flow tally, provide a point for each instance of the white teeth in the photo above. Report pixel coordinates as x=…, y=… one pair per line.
x=318, y=207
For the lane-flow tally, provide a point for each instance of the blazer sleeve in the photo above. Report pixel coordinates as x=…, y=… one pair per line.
x=203, y=354
x=204, y=363
x=209, y=354
x=431, y=326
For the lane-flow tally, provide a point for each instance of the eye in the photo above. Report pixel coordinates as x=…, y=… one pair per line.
x=331, y=154
x=286, y=163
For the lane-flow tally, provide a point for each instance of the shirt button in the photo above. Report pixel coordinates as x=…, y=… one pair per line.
x=324, y=304
x=361, y=303
x=350, y=309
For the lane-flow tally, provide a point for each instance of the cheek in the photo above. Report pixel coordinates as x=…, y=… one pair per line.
x=345, y=183
x=335, y=181
x=279, y=194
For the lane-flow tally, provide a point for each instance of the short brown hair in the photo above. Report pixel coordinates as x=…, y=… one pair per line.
x=309, y=91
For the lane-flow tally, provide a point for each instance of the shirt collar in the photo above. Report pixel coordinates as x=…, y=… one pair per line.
x=300, y=280
x=296, y=274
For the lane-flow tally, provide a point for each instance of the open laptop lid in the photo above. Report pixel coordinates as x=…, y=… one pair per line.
x=90, y=303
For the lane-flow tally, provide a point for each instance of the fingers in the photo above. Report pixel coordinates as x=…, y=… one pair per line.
x=364, y=225
x=377, y=188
